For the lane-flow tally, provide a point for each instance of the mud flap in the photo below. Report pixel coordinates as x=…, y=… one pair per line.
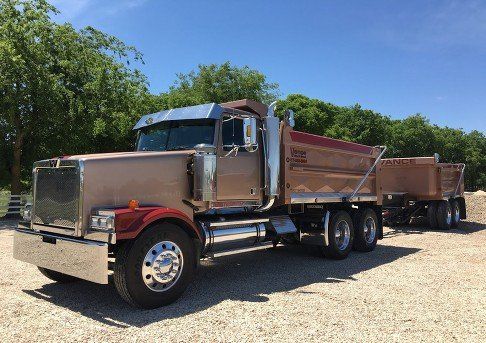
x=462, y=207
x=379, y=215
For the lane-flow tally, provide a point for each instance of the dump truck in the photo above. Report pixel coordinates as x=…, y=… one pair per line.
x=205, y=181
x=423, y=187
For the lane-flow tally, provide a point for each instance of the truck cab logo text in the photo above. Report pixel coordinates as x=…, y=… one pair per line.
x=397, y=162
x=298, y=155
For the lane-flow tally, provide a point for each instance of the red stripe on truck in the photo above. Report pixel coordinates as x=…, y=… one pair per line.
x=327, y=142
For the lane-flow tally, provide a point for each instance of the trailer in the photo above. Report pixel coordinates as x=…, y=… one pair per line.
x=423, y=187
x=205, y=181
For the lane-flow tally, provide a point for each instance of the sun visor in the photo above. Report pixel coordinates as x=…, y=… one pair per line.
x=206, y=111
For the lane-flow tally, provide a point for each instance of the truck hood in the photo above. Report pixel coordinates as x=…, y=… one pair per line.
x=153, y=178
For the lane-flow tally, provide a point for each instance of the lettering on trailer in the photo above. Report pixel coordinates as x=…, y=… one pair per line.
x=298, y=155
x=397, y=162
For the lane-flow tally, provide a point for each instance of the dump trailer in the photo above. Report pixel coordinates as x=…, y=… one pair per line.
x=423, y=187
x=205, y=181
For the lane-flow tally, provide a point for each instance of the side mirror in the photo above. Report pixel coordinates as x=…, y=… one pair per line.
x=250, y=134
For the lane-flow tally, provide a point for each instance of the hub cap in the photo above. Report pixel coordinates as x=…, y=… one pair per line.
x=369, y=230
x=162, y=266
x=342, y=235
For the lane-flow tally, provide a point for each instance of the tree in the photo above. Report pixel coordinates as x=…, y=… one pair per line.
x=219, y=83
x=62, y=90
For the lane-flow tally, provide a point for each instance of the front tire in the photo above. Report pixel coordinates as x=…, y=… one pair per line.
x=156, y=268
x=365, y=234
x=56, y=276
x=340, y=236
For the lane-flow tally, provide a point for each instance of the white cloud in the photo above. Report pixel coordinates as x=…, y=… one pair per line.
x=72, y=9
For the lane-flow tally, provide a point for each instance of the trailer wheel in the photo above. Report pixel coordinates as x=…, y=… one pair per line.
x=432, y=214
x=365, y=231
x=340, y=236
x=444, y=215
x=56, y=276
x=156, y=268
x=456, y=213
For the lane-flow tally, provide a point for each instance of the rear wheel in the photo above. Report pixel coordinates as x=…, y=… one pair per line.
x=156, y=268
x=432, y=214
x=365, y=232
x=456, y=213
x=340, y=236
x=56, y=276
x=444, y=215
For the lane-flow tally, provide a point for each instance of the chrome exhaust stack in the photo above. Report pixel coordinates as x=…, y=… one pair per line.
x=271, y=136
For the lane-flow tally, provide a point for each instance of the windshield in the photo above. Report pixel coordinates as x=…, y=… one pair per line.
x=176, y=135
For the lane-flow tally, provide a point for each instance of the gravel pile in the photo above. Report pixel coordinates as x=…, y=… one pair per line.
x=418, y=285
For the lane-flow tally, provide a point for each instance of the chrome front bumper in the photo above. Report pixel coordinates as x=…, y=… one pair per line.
x=87, y=260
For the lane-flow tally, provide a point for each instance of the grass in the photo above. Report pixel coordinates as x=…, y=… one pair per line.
x=5, y=197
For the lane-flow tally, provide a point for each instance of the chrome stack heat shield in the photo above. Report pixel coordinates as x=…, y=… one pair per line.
x=233, y=235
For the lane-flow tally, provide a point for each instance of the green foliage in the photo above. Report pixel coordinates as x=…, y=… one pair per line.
x=62, y=90
x=219, y=83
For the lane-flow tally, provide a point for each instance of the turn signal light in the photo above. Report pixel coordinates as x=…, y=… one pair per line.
x=133, y=204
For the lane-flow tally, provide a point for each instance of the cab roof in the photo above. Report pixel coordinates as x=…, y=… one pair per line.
x=204, y=111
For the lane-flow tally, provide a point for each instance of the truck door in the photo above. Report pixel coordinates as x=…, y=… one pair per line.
x=238, y=170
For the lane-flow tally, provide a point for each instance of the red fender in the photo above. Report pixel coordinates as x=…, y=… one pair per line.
x=129, y=223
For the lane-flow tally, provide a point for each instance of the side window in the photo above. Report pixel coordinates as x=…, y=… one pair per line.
x=232, y=133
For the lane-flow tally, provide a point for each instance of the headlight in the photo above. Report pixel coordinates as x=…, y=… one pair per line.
x=27, y=212
x=103, y=220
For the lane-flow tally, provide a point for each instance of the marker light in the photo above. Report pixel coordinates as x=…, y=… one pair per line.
x=133, y=204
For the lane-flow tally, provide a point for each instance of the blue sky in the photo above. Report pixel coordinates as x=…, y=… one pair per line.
x=395, y=57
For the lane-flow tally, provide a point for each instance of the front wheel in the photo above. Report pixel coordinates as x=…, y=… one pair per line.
x=156, y=268
x=340, y=236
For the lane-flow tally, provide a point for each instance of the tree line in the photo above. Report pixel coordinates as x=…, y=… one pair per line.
x=65, y=91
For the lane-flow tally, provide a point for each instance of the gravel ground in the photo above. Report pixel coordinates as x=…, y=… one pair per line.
x=418, y=285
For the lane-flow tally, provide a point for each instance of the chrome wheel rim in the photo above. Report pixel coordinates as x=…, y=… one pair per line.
x=162, y=266
x=342, y=235
x=369, y=229
x=457, y=214
x=449, y=216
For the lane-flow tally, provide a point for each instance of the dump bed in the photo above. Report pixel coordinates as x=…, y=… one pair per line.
x=422, y=178
x=316, y=169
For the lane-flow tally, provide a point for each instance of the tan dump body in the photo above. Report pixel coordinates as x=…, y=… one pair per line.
x=422, y=178
x=316, y=169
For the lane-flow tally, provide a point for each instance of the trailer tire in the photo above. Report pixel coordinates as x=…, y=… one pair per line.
x=56, y=276
x=366, y=230
x=432, y=214
x=444, y=215
x=156, y=268
x=339, y=246
x=456, y=213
